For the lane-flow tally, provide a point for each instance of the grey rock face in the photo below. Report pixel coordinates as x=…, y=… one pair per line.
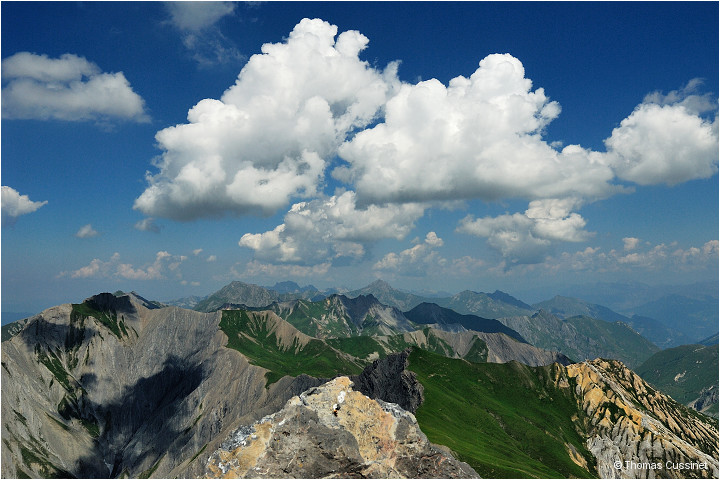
x=135, y=392
x=334, y=432
x=388, y=380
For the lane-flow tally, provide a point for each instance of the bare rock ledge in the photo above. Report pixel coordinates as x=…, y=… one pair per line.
x=332, y=431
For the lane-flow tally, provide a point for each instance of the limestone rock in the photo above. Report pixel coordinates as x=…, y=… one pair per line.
x=635, y=431
x=335, y=432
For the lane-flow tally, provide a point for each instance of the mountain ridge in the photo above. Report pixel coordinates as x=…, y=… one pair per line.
x=115, y=387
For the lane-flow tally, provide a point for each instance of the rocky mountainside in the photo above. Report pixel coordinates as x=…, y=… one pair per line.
x=109, y=388
x=431, y=313
x=582, y=338
x=340, y=316
x=635, y=431
x=688, y=373
x=486, y=305
x=255, y=296
x=469, y=345
x=388, y=295
x=334, y=431
x=238, y=293
x=553, y=421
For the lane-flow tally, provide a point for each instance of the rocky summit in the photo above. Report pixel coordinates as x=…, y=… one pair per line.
x=332, y=431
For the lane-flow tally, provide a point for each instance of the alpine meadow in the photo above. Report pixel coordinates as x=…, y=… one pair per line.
x=359, y=239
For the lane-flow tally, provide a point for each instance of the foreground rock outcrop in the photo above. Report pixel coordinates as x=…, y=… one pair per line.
x=335, y=432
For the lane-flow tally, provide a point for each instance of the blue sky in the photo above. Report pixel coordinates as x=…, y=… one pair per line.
x=170, y=148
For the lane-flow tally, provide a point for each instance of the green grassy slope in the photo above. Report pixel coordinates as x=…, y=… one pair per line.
x=363, y=347
x=682, y=372
x=505, y=420
x=253, y=338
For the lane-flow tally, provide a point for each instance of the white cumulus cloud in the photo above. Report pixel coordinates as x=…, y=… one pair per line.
x=479, y=137
x=15, y=205
x=642, y=256
x=414, y=261
x=630, y=243
x=268, y=138
x=663, y=144
x=66, y=88
x=525, y=238
x=330, y=228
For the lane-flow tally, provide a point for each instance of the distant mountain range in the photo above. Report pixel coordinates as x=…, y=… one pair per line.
x=579, y=329
x=118, y=386
x=652, y=329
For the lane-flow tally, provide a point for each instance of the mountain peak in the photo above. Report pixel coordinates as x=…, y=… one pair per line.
x=380, y=283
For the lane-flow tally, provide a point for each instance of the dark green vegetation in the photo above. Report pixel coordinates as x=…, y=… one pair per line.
x=505, y=420
x=367, y=347
x=682, y=372
x=11, y=329
x=254, y=338
x=360, y=347
x=108, y=319
x=305, y=314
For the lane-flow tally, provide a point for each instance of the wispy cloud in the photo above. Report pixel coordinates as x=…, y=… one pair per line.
x=113, y=267
x=642, y=256
x=66, y=88
x=200, y=35
x=414, y=261
x=147, y=225
x=87, y=231
x=255, y=268
x=14, y=205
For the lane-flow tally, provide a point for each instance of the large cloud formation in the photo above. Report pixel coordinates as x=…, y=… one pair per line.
x=405, y=148
x=480, y=137
x=15, y=205
x=66, y=88
x=270, y=135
